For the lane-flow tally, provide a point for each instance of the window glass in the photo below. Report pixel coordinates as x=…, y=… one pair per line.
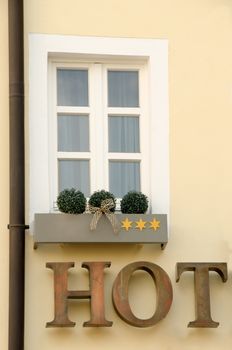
x=72, y=87
x=123, y=89
x=123, y=134
x=74, y=173
x=73, y=133
x=124, y=176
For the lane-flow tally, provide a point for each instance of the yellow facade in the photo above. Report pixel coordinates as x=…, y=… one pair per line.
x=200, y=95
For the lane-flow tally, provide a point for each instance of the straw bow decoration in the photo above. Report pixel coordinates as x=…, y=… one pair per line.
x=105, y=207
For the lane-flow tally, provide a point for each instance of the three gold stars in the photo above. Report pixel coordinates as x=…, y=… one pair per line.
x=140, y=224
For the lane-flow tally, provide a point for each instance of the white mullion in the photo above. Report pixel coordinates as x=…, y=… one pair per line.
x=72, y=110
x=53, y=169
x=124, y=156
x=105, y=126
x=92, y=133
x=144, y=127
x=123, y=111
x=73, y=155
x=97, y=146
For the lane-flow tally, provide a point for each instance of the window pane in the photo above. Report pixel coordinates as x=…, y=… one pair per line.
x=74, y=173
x=123, y=134
x=124, y=177
x=123, y=89
x=72, y=87
x=73, y=133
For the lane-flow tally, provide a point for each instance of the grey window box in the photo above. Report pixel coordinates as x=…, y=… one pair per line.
x=69, y=228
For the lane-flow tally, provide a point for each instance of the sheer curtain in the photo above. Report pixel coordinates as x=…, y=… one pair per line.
x=72, y=87
x=123, y=131
x=124, y=177
x=74, y=173
x=123, y=134
x=123, y=89
x=73, y=129
x=73, y=133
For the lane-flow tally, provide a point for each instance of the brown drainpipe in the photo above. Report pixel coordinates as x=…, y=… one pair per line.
x=17, y=197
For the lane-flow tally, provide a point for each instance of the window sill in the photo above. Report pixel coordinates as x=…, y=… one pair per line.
x=68, y=228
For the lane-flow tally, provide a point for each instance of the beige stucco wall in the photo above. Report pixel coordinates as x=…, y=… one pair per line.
x=200, y=76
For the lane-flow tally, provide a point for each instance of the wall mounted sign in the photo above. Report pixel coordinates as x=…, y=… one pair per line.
x=162, y=284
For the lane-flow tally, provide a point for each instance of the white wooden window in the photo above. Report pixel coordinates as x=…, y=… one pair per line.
x=98, y=113
x=99, y=123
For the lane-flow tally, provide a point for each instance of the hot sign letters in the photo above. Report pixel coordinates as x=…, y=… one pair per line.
x=162, y=284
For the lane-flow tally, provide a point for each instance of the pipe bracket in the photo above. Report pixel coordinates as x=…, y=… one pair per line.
x=25, y=227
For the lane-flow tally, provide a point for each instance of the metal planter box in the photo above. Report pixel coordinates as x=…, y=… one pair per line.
x=69, y=228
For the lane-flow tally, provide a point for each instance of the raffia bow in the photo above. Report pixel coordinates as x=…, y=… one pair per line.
x=105, y=207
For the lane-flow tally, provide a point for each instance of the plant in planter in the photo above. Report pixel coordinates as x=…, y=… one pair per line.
x=134, y=203
x=132, y=226
x=103, y=202
x=98, y=197
x=71, y=201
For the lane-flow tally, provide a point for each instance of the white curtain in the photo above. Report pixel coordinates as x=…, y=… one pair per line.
x=123, y=134
x=72, y=87
x=123, y=89
x=74, y=173
x=124, y=177
x=73, y=133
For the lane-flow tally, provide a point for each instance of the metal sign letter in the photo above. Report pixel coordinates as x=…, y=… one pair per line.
x=163, y=289
x=202, y=291
x=95, y=294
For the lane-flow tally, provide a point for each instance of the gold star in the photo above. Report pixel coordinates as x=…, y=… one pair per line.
x=126, y=224
x=140, y=224
x=154, y=224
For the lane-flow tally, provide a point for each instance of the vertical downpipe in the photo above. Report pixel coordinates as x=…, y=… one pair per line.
x=17, y=196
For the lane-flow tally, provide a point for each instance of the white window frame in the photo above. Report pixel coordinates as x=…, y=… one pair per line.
x=44, y=49
x=98, y=112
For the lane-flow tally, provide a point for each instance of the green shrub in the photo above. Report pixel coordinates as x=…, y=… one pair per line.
x=134, y=203
x=71, y=201
x=99, y=196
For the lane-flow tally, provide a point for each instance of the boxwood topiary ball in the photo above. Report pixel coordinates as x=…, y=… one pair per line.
x=99, y=196
x=134, y=203
x=71, y=201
